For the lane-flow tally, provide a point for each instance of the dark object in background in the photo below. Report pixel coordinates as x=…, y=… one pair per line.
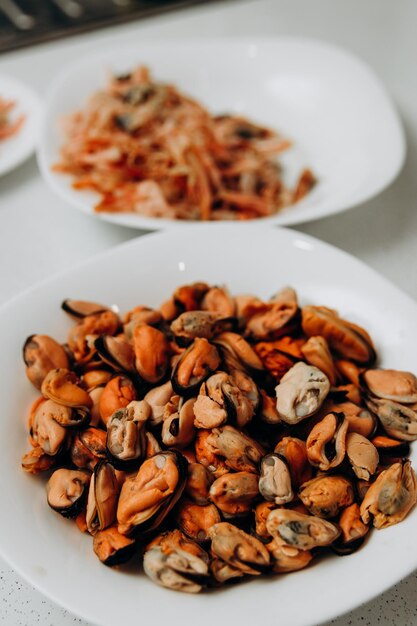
x=27, y=22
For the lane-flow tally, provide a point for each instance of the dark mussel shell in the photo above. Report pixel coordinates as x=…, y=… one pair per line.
x=342, y=548
x=116, y=352
x=102, y=497
x=63, y=480
x=89, y=447
x=112, y=548
x=146, y=519
x=82, y=308
x=194, y=366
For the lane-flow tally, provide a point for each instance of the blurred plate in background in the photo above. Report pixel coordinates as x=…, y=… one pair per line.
x=328, y=102
x=19, y=147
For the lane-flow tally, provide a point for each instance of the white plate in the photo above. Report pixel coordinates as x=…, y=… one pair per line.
x=19, y=147
x=329, y=102
x=55, y=557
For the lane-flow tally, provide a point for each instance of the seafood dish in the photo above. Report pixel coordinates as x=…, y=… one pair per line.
x=220, y=437
x=9, y=128
x=146, y=148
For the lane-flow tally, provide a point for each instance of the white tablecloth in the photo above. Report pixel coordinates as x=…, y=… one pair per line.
x=40, y=235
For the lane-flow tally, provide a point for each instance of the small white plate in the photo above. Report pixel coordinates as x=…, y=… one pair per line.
x=55, y=557
x=19, y=147
x=330, y=103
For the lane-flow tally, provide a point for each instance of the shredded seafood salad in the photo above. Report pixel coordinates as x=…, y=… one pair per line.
x=9, y=127
x=149, y=149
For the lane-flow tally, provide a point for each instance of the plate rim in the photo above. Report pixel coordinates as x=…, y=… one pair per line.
x=131, y=220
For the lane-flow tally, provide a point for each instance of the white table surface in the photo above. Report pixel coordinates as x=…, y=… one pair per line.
x=40, y=235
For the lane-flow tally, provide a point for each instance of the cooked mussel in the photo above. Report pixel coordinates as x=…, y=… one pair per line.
x=353, y=530
x=194, y=366
x=126, y=439
x=102, y=497
x=359, y=419
x=206, y=453
x=82, y=335
x=189, y=297
x=178, y=425
x=64, y=387
x=304, y=532
x=241, y=396
x=218, y=300
x=268, y=409
x=275, y=479
x=240, y=452
x=67, y=491
x=222, y=571
x=36, y=461
x=147, y=497
x=42, y=354
x=152, y=352
x=95, y=395
x=82, y=308
x=116, y=352
x=234, y=493
x=238, y=549
x=276, y=361
x=261, y=511
x=176, y=562
x=233, y=397
x=325, y=496
x=348, y=340
x=287, y=558
x=316, y=352
x=112, y=548
x=157, y=398
x=393, y=385
x=301, y=392
x=96, y=378
x=295, y=452
x=199, y=479
x=45, y=430
x=349, y=370
x=276, y=318
x=243, y=353
x=390, y=498
x=210, y=410
x=362, y=454
x=192, y=324
x=389, y=447
x=88, y=448
x=140, y=315
x=117, y=394
x=326, y=443
x=195, y=520
x=152, y=445
x=66, y=416
x=398, y=420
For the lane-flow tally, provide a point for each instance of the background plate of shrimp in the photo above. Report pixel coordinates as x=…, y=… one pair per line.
x=283, y=130
x=19, y=122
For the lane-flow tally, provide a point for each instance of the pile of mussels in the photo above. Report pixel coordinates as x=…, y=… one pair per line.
x=220, y=436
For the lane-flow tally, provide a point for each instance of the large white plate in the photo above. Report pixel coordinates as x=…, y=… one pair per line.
x=326, y=100
x=54, y=556
x=19, y=147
